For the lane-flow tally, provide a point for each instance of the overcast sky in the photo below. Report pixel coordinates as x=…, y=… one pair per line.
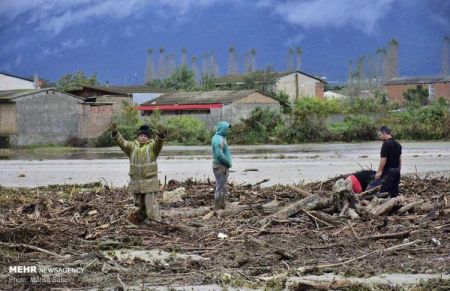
x=111, y=37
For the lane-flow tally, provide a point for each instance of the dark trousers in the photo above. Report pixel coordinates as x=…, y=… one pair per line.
x=390, y=179
x=221, y=174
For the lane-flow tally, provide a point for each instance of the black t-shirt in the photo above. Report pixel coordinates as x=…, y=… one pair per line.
x=391, y=150
x=364, y=177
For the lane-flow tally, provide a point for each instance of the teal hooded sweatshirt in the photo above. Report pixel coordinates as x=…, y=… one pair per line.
x=221, y=153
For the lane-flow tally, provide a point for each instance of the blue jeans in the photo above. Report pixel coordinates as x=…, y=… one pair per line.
x=390, y=179
x=221, y=174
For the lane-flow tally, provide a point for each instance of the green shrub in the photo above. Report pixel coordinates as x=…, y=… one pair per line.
x=259, y=128
x=308, y=106
x=187, y=130
x=421, y=123
x=355, y=105
x=308, y=128
x=358, y=128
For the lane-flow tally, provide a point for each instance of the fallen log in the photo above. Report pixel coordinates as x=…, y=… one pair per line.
x=299, y=191
x=309, y=203
x=409, y=206
x=316, y=218
x=352, y=214
x=387, y=207
x=325, y=217
x=370, y=191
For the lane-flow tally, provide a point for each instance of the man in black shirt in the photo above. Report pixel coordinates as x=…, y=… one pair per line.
x=390, y=162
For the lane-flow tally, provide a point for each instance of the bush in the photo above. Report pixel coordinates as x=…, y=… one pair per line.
x=187, y=130
x=308, y=106
x=283, y=98
x=354, y=128
x=306, y=128
x=307, y=121
x=354, y=105
x=261, y=127
x=421, y=123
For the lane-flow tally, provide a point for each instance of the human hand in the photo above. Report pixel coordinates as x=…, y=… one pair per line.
x=378, y=175
x=114, y=127
x=160, y=131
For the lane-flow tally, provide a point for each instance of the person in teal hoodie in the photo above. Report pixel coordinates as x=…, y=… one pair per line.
x=221, y=163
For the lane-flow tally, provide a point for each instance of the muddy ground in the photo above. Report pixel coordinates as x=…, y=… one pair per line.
x=84, y=227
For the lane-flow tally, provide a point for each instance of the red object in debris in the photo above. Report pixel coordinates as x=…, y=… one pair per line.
x=174, y=107
x=357, y=188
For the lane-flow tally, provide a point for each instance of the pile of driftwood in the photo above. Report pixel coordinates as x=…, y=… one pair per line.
x=283, y=230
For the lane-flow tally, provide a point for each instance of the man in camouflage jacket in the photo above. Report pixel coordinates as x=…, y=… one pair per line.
x=144, y=183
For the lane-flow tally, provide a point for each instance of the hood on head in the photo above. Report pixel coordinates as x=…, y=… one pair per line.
x=222, y=128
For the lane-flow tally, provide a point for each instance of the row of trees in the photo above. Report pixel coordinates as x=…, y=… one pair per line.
x=370, y=72
x=167, y=65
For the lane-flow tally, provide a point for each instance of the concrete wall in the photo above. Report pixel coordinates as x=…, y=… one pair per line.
x=117, y=100
x=8, y=123
x=12, y=83
x=95, y=119
x=47, y=117
x=306, y=86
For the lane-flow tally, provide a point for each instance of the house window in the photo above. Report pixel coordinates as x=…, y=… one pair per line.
x=431, y=92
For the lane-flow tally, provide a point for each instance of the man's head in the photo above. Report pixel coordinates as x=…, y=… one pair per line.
x=384, y=133
x=143, y=134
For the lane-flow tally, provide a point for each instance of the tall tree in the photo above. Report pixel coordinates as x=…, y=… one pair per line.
x=371, y=72
x=195, y=69
x=350, y=73
x=247, y=64
x=206, y=64
x=149, y=68
x=161, y=64
x=253, y=60
x=232, y=61
x=360, y=69
x=214, y=69
x=391, y=64
x=183, y=62
x=299, y=53
x=290, y=60
x=380, y=56
x=171, y=65
x=445, y=56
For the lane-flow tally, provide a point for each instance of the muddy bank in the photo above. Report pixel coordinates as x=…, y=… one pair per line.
x=85, y=227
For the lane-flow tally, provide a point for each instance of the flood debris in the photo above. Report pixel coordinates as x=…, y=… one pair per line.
x=264, y=236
